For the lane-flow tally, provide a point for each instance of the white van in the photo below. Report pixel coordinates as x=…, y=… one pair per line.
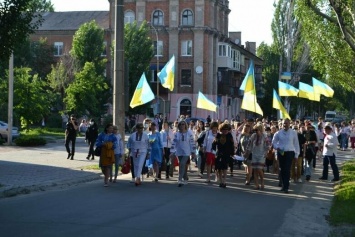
x=329, y=116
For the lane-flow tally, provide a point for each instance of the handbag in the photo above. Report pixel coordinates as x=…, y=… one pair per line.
x=97, y=151
x=270, y=155
x=126, y=167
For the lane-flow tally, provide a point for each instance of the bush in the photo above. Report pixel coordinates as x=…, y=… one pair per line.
x=30, y=140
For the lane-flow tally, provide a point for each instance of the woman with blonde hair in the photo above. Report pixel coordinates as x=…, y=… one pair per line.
x=183, y=146
x=258, y=145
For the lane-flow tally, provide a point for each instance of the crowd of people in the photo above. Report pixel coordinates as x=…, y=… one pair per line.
x=288, y=148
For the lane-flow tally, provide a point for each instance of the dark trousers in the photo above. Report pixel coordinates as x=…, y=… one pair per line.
x=331, y=160
x=132, y=167
x=69, y=139
x=91, y=148
x=203, y=161
x=167, y=161
x=285, y=162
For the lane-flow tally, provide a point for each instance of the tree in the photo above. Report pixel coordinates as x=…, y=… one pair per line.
x=84, y=94
x=329, y=29
x=88, y=45
x=36, y=55
x=32, y=101
x=139, y=51
x=18, y=19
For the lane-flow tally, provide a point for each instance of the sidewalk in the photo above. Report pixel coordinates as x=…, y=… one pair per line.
x=27, y=169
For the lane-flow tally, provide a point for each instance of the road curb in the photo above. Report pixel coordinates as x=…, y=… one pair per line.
x=14, y=191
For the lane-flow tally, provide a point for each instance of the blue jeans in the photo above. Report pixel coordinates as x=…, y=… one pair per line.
x=344, y=140
x=118, y=162
x=182, y=166
x=331, y=160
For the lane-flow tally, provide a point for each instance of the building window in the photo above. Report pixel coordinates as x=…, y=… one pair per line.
x=129, y=17
x=104, y=50
x=158, y=48
x=186, y=48
x=224, y=51
x=186, y=79
x=185, y=107
x=187, y=18
x=58, y=48
x=158, y=19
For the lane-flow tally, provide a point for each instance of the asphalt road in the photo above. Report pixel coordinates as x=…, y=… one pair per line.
x=163, y=209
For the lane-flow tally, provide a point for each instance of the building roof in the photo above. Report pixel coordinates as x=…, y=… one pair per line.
x=73, y=20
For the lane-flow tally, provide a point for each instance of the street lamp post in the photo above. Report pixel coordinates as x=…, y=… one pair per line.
x=157, y=54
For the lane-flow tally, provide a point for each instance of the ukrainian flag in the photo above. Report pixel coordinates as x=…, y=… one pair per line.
x=322, y=88
x=167, y=74
x=143, y=93
x=204, y=103
x=248, y=83
x=286, y=75
x=287, y=90
x=276, y=103
x=248, y=86
x=307, y=91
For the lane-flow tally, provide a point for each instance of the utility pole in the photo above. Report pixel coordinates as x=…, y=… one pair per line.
x=11, y=100
x=157, y=54
x=118, y=79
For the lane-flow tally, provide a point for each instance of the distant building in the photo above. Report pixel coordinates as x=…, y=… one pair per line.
x=209, y=58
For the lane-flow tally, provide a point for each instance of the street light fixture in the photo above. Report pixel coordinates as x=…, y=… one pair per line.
x=157, y=55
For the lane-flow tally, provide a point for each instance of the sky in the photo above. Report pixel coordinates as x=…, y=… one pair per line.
x=251, y=17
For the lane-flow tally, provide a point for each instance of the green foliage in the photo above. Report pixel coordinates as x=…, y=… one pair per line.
x=18, y=19
x=30, y=140
x=36, y=55
x=31, y=101
x=343, y=207
x=84, y=95
x=331, y=53
x=54, y=121
x=139, y=51
x=270, y=75
x=88, y=45
x=45, y=132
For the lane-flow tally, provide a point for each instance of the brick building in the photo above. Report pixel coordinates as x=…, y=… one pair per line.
x=208, y=57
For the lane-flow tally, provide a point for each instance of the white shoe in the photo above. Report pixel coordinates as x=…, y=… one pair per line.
x=132, y=180
x=185, y=182
x=299, y=180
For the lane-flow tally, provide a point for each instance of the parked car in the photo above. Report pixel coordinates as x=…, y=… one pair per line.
x=4, y=129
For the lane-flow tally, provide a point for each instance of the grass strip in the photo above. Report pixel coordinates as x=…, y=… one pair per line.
x=343, y=206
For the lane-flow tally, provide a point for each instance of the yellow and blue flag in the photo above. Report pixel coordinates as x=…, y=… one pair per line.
x=248, y=86
x=167, y=74
x=307, y=91
x=276, y=103
x=287, y=90
x=286, y=75
x=322, y=88
x=248, y=83
x=204, y=103
x=143, y=93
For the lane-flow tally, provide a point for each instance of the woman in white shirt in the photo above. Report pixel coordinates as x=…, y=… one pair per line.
x=183, y=146
x=167, y=137
x=207, y=145
x=138, y=145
